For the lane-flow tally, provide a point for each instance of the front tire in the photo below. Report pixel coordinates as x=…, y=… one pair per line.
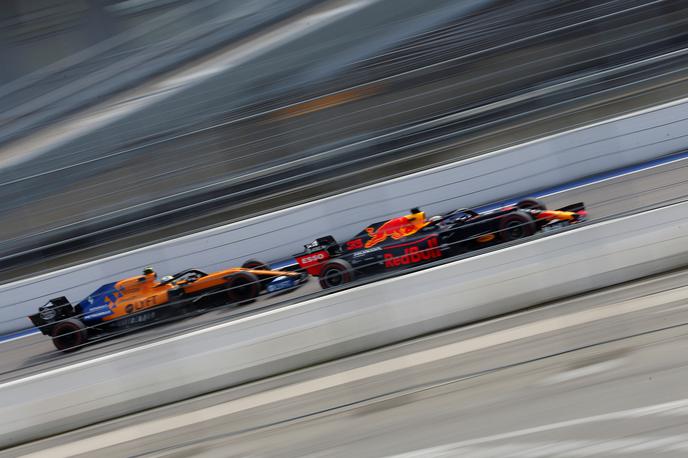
x=242, y=287
x=336, y=273
x=255, y=264
x=69, y=335
x=516, y=225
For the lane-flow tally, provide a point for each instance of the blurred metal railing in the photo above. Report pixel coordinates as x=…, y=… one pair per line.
x=280, y=158
x=332, y=167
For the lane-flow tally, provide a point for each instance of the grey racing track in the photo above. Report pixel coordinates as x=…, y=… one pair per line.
x=594, y=375
x=652, y=187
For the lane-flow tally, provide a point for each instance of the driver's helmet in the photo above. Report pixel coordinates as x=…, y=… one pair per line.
x=416, y=214
x=148, y=271
x=166, y=278
x=435, y=219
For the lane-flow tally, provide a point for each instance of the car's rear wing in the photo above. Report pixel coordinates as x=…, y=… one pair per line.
x=39, y=322
x=54, y=310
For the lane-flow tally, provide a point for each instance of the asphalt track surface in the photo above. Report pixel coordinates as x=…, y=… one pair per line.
x=602, y=374
x=639, y=191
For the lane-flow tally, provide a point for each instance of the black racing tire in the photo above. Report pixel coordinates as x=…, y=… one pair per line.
x=255, y=264
x=335, y=273
x=242, y=287
x=69, y=335
x=531, y=204
x=516, y=225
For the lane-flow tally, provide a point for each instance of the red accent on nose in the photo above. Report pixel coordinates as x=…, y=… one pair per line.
x=582, y=213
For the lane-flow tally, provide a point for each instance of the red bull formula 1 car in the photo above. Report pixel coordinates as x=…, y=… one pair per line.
x=143, y=299
x=412, y=239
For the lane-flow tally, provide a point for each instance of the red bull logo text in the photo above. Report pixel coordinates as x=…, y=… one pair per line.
x=413, y=255
x=396, y=228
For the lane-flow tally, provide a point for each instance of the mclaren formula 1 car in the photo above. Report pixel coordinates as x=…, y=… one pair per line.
x=412, y=239
x=143, y=299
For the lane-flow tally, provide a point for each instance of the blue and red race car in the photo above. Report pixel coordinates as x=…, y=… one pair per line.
x=412, y=239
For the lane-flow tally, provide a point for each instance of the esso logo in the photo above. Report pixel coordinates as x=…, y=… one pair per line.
x=313, y=258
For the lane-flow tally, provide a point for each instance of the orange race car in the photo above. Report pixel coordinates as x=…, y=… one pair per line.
x=142, y=299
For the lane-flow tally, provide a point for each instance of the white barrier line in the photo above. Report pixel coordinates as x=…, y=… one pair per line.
x=559, y=323
x=21, y=336
x=668, y=408
x=652, y=445
x=615, y=177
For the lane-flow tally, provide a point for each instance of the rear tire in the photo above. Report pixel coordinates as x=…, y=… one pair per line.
x=69, y=335
x=516, y=225
x=531, y=204
x=336, y=273
x=242, y=287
